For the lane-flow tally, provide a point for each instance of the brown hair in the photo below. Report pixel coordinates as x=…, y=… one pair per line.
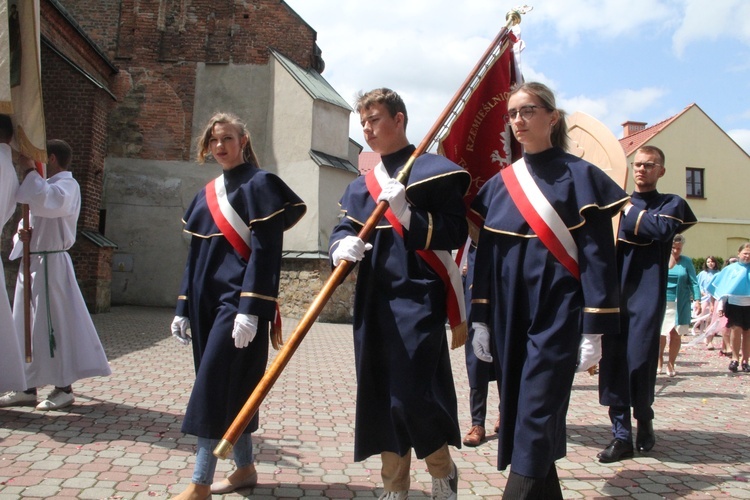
x=387, y=97
x=559, y=135
x=248, y=154
x=62, y=151
x=654, y=150
x=705, y=263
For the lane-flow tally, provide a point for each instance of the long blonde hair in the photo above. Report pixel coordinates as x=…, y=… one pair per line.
x=203, y=149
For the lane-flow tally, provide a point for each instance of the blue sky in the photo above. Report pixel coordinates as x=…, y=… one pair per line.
x=641, y=60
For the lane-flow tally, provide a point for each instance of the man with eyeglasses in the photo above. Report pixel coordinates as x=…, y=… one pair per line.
x=627, y=374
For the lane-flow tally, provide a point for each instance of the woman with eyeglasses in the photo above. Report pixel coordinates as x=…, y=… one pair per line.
x=538, y=286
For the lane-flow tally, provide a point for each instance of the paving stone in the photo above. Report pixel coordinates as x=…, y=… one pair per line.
x=122, y=437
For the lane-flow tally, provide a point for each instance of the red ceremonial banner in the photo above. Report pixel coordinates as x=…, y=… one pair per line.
x=479, y=140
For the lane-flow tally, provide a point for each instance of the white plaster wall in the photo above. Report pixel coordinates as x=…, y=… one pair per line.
x=333, y=182
x=145, y=202
x=330, y=124
x=242, y=90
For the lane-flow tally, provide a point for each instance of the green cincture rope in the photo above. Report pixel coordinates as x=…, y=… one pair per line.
x=52, y=343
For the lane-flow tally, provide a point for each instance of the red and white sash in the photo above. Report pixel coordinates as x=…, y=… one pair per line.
x=440, y=261
x=234, y=229
x=541, y=216
x=226, y=217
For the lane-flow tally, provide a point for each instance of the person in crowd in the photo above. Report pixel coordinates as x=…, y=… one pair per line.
x=627, y=372
x=11, y=355
x=480, y=373
x=709, y=269
x=539, y=285
x=731, y=288
x=726, y=332
x=406, y=397
x=65, y=345
x=228, y=297
x=683, y=298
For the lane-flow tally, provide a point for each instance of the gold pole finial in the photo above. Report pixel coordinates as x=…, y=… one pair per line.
x=513, y=17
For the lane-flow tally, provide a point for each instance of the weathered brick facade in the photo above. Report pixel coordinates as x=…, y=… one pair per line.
x=157, y=45
x=76, y=106
x=119, y=80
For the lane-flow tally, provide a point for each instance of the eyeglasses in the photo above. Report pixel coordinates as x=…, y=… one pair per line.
x=526, y=113
x=649, y=165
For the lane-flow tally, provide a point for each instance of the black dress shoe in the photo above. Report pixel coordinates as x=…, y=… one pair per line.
x=616, y=451
x=645, y=438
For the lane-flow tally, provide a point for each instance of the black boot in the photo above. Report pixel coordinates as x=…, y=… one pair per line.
x=616, y=451
x=645, y=438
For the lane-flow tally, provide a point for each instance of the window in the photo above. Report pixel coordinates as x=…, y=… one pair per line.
x=695, y=183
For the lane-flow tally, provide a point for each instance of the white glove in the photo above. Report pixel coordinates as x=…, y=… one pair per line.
x=350, y=248
x=245, y=328
x=589, y=351
x=395, y=194
x=180, y=327
x=481, y=342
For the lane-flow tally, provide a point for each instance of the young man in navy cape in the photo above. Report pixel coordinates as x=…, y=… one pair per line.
x=405, y=392
x=627, y=372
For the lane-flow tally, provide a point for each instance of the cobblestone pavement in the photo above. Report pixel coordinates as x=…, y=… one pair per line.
x=122, y=438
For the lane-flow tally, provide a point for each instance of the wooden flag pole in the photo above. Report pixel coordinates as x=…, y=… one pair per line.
x=26, y=287
x=273, y=372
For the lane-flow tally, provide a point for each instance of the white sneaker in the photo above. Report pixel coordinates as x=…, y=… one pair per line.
x=56, y=400
x=17, y=398
x=394, y=495
x=446, y=488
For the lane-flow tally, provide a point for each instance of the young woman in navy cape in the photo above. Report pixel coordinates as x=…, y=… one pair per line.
x=228, y=295
x=534, y=306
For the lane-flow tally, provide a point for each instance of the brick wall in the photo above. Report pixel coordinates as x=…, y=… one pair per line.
x=93, y=265
x=157, y=45
x=232, y=31
x=68, y=39
x=74, y=111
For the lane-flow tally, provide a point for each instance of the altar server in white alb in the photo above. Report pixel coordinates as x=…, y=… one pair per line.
x=11, y=358
x=65, y=345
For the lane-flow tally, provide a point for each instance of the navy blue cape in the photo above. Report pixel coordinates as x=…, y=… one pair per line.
x=535, y=308
x=405, y=391
x=218, y=283
x=627, y=372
